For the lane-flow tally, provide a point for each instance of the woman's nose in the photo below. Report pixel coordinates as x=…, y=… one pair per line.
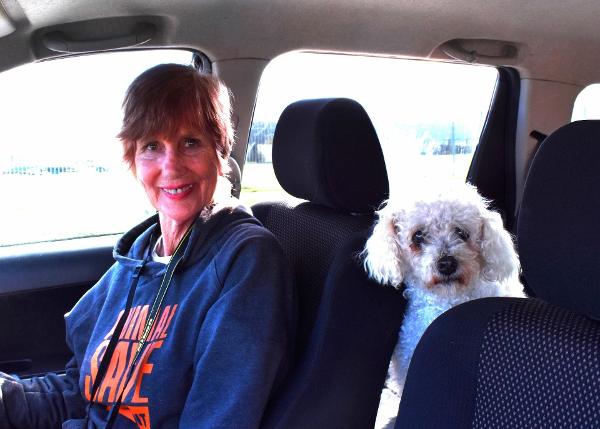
x=171, y=159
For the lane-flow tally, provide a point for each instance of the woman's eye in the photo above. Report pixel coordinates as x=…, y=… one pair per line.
x=191, y=143
x=149, y=147
x=418, y=237
x=461, y=233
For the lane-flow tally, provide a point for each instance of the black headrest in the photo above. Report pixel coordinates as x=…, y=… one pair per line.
x=559, y=219
x=326, y=151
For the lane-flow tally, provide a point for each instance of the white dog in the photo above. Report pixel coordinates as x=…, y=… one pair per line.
x=445, y=247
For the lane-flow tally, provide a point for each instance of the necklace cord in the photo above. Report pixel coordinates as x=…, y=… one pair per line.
x=150, y=320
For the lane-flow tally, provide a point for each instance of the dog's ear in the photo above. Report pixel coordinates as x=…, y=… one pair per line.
x=382, y=254
x=501, y=262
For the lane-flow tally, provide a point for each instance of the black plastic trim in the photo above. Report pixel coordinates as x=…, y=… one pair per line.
x=46, y=265
x=493, y=168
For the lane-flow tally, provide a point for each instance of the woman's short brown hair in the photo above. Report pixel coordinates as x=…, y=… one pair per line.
x=168, y=97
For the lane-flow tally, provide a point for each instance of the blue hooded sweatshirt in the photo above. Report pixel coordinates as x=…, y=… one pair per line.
x=220, y=347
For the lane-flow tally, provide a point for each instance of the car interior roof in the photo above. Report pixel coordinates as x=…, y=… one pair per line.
x=549, y=46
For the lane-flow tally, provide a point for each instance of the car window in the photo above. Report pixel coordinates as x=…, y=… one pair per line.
x=587, y=103
x=61, y=169
x=428, y=115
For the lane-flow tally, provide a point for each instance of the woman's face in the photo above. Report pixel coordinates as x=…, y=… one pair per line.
x=179, y=173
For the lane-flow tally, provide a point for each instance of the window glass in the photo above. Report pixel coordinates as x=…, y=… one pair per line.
x=428, y=115
x=587, y=104
x=61, y=169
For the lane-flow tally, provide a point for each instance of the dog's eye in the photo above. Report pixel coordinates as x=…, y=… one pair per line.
x=418, y=237
x=461, y=233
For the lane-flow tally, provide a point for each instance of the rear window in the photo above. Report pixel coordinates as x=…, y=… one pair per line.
x=61, y=169
x=428, y=115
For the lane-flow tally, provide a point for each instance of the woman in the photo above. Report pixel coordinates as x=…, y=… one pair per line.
x=192, y=326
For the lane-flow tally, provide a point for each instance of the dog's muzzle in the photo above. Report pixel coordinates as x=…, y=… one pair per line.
x=447, y=265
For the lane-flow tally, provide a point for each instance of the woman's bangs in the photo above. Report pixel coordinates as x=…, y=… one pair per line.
x=169, y=119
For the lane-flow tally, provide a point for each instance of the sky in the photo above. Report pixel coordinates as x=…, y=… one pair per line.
x=71, y=107
x=399, y=88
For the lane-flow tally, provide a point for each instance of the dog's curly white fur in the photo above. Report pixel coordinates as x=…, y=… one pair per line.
x=446, y=247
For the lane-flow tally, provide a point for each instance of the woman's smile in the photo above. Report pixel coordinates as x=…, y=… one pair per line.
x=178, y=192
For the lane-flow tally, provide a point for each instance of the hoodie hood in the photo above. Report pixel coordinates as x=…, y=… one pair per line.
x=132, y=247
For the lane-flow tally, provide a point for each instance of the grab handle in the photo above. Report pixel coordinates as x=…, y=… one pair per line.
x=58, y=41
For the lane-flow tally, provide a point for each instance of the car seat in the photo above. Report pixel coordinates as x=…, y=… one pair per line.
x=525, y=362
x=234, y=176
x=326, y=152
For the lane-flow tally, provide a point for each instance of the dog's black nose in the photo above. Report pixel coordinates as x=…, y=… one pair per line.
x=447, y=265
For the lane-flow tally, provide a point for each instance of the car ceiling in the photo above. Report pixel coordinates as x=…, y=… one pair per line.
x=556, y=40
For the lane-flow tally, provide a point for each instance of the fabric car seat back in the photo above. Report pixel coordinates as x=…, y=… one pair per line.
x=525, y=362
x=326, y=153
